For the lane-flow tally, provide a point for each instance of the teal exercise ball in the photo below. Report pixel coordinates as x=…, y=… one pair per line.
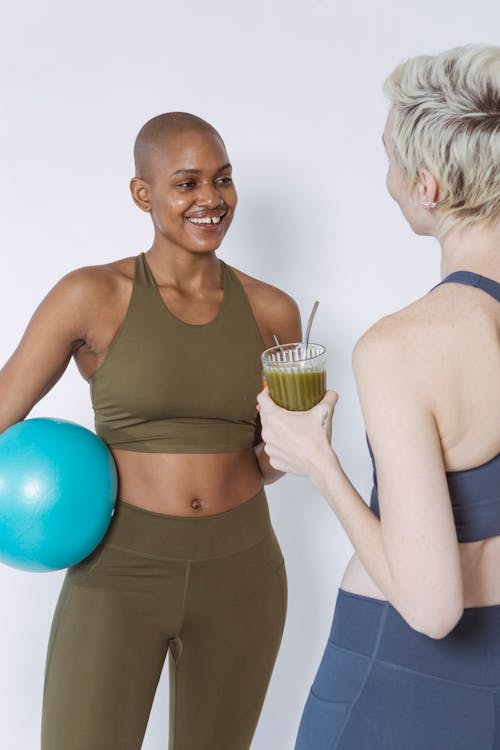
x=57, y=493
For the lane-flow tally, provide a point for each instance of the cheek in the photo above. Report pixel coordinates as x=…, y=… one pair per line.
x=169, y=213
x=232, y=199
x=393, y=184
x=177, y=205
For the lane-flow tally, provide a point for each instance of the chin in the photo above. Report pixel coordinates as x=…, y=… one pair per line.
x=207, y=248
x=416, y=226
x=203, y=246
x=419, y=229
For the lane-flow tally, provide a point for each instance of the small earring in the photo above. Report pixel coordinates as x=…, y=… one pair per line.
x=429, y=204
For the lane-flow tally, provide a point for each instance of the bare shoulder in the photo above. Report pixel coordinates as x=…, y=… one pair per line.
x=89, y=285
x=264, y=294
x=394, y=340
x=275, y=310
x=420, y=339
x=99, y=277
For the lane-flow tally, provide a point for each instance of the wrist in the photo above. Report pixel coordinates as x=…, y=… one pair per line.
x=323, y=463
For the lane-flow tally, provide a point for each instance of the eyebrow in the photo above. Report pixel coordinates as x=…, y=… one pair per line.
x=198, y=171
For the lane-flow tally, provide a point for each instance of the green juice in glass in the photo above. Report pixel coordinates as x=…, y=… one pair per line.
x=296, y=391
x=296, y=378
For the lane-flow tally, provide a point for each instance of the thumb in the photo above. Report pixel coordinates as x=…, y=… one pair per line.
x=330, y=399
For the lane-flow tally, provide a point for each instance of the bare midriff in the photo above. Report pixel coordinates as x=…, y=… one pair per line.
x=480, y=564
x=190, y=485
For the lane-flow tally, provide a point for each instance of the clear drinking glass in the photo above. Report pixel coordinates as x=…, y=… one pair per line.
x=295, y=376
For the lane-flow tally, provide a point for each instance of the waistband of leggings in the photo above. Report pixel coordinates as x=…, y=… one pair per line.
x=470, y=654
x=179, y=538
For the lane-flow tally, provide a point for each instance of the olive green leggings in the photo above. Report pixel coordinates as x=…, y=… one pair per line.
x=209, y=591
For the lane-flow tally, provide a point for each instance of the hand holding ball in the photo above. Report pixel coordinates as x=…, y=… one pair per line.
x=57, y=493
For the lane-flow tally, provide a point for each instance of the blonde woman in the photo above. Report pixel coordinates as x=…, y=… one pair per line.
x=413, y=659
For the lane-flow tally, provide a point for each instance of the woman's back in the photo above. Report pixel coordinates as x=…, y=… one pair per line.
x=467, y=375
x=451, y=340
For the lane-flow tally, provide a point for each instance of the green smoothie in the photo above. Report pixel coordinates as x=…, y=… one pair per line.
x=296, y=391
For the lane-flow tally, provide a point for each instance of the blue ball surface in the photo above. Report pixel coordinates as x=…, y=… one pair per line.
x=58, y=489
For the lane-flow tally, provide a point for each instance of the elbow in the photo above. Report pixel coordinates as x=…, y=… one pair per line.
x=271, y=475
x=439, y=629
x=436, y=622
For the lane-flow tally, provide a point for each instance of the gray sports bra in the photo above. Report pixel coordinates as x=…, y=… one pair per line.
x=474, y=493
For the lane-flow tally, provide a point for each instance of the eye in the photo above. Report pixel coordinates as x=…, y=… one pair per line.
x=226, y=180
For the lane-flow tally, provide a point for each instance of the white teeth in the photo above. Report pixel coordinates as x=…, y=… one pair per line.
x=206, y=220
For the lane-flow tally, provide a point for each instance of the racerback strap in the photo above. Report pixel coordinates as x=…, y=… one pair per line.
x=473, y=279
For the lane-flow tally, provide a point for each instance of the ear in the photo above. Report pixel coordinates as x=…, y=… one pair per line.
x=140, y=194
x=427, y=187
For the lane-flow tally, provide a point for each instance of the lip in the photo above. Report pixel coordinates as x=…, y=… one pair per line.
x=207, y=228
x=219, y=213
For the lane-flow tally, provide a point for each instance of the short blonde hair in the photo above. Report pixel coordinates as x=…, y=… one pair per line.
x=447, y=120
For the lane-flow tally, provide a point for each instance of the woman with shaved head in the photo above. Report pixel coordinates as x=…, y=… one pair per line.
x=170, y=343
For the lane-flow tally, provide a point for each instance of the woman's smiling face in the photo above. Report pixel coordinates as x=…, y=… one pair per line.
x=189, y=191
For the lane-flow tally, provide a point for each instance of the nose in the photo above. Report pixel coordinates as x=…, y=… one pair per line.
x=209, y=196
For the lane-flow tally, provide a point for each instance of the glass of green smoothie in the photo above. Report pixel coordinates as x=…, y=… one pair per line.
x=295, y=375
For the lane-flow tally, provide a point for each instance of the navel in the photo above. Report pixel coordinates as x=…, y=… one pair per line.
x=196, y=504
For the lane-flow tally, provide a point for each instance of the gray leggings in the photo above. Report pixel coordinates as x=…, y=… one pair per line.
x=383, y=686
x=209, y=591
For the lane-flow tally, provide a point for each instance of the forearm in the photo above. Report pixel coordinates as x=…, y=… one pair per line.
x=428, y=609
x=360, y=524
x=269, y=473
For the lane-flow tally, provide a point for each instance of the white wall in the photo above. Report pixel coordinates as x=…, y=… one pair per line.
x=295, y=88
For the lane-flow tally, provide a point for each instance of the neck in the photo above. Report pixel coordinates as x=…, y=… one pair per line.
x=475, y=249
x=178, y=267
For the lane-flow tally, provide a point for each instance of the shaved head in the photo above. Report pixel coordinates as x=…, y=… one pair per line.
x=157, y=134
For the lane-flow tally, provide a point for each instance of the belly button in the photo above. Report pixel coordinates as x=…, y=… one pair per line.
x=196, y=504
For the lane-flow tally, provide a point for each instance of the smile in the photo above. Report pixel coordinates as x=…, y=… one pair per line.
x=205, y=220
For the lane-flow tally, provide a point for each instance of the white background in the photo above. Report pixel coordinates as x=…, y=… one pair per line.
x=294, y=86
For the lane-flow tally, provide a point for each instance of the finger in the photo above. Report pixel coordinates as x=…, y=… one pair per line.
x=277, y=465
x=330, y=399
x=326, y=416
x=263, y=397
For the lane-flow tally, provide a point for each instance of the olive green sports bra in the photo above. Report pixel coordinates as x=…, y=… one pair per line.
x=171, y=387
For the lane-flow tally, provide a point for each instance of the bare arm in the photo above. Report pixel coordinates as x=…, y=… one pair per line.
x=421, y=572
x=55, y=332
x=285, y=323
x=411, y=553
